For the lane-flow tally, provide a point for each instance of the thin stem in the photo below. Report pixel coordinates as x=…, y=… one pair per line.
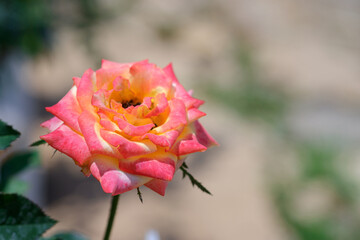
x=114, y=203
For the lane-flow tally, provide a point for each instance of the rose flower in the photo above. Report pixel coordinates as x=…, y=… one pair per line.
x=128, y=125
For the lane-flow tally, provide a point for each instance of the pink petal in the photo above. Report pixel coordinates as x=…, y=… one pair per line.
x=187, y=146
x=67, y=109
x=166, y=139
x=194, y=114
x=52, y=124
x=86, y=89
x=70, y=143
x=148, y=80
x=126, y=147
x=90, y=128
x=106, y=64
x=76, y=81
x=158, y=186
x=100, y=98
x=177, y=117
x=203, y=136
x=132, y=130
x=105, y=77
x=160, y=103
x=155, y=167
x=180, y=91
x=106, y=122
x=112, y=179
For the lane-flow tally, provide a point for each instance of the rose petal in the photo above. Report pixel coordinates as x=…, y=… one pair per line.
x=126, y=147
x=70, y=143
x=90, y=128
x=67, y=109
x=112, y=179
x=132, y=130
x=188, y=145
x=105, y=77
x=158, y=186
x=194, y=114
x=149, y=80
x=166, y=139
x=106, y=64
x=100, y=98
x=177, y=117
x=76, y=81
x=52, y=124
x=158, y=166
x=160, y=103
x=180, y=91
x=106, y=122
x=203, y=136
x=86, y=89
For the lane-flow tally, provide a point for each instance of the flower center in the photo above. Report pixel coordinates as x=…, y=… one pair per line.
x=126, y=104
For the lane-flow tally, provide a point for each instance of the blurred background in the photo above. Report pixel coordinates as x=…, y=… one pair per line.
x=281, y=81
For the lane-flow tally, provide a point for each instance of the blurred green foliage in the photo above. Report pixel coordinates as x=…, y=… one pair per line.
x=320, y=164
x=27, y=26
x=12, y=166
x=249, y=97
x=316, y=161
x=24, y=25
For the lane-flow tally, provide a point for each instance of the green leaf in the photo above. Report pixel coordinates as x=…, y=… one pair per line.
x=139, y=194
x=66, y=236
x=14, y=185
x=7, y=135
x=21, y=219
x=194, y=182
x=15, y=164
x=38, y=143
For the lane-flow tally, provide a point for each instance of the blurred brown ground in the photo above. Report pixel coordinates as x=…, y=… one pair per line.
x=309, y=49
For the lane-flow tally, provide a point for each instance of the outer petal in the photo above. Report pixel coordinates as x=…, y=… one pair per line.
x=86, y=89
x=112, y=179
x=52, y=124
x=203, y=136
x=126, y=147
x=160, y=166
x=180, y=91
x=158, y=186
x=187, y=146
x=67, y=109
x=72, y=144
x=90, y=127
x=106, y=64
x=194, y=114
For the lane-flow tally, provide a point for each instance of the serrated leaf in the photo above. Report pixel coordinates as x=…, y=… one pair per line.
x=21, y=219
x=7, y=135
x=194, y=182
x=66, y=236
x=15, y=164
x=139, y=194
x=38, y=143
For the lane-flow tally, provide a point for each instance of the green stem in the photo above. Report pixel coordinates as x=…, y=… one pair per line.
x=114, y=203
